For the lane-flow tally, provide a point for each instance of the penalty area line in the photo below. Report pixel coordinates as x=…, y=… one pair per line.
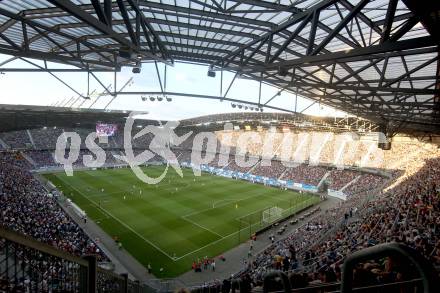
x=122, y=223
x=204, y=228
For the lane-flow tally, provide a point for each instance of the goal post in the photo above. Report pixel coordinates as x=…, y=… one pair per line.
x=272, y=214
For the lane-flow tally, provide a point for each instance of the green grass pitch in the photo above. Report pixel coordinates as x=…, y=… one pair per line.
x=171, y=224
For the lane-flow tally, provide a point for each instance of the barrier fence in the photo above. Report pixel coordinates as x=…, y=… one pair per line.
x=27, y=265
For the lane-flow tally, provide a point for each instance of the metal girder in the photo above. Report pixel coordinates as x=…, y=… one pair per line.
x=338, y=28
x=38, y=55
x=127, y=22
x=269, y=5
x=332, y=51
x=295, y=19
x=199, y=96
x=48, y=56
x=72, y=9
x=288, y=41
x=52, y=70
x=148, y=6
x=388, y=22
x=384, y=89
x=102, y=16
x=148, y=29
x=360, y=53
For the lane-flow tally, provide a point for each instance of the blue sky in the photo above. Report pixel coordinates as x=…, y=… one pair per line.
x=43, y=89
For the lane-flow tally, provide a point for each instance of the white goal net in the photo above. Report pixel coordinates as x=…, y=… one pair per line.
x=272, y=214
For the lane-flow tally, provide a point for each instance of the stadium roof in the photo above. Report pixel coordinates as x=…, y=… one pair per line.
x=21, y=117
x=376, y=59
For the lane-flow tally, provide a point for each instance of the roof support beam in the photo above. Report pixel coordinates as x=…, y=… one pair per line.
x=71, y=8
x=148, y=29
x=99, y=11
x=389, y=18
x=290, y=39
x=329, y=58
x=295, y=19
x=339, y=27
x=127, y=22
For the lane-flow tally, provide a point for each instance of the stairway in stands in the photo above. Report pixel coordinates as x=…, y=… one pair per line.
x=3, y=144
x=31, y=139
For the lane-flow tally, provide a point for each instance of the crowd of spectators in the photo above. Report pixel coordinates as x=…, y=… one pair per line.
x=407, y=212
x=364, y=183
x=45, y=138
x=42, y=159
x=275, y=170
x=243, y=164
x=16, y=139
x=339, y=178
x=216, y=161
x=183, y=156
x=305, y=174
x=30, y=210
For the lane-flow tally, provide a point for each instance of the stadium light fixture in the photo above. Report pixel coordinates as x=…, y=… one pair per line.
x=160, y=99
x=240, y=106
x=211, y=72
x=233, y=105
x=152, y=99
x=283, y=71
x=125, y=54
x=169, y=99
x=144, y=99
x=137, y=68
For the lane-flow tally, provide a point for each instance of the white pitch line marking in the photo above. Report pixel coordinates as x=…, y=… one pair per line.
x=193, y=213
x=204, y=228
x=121, y=222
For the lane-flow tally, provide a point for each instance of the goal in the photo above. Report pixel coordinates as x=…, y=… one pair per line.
x=272, y=214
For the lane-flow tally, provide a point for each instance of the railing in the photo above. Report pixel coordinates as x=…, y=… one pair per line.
x=427, y=281
x=406, y=286
x=27, y=265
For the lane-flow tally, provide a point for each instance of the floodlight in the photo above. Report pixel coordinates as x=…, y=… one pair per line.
x=211, y=73
x=283, y=71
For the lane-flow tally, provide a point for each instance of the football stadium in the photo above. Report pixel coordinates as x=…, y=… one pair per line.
x=219, y=146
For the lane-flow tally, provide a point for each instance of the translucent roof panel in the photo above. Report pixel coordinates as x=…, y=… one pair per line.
x=348, y=54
